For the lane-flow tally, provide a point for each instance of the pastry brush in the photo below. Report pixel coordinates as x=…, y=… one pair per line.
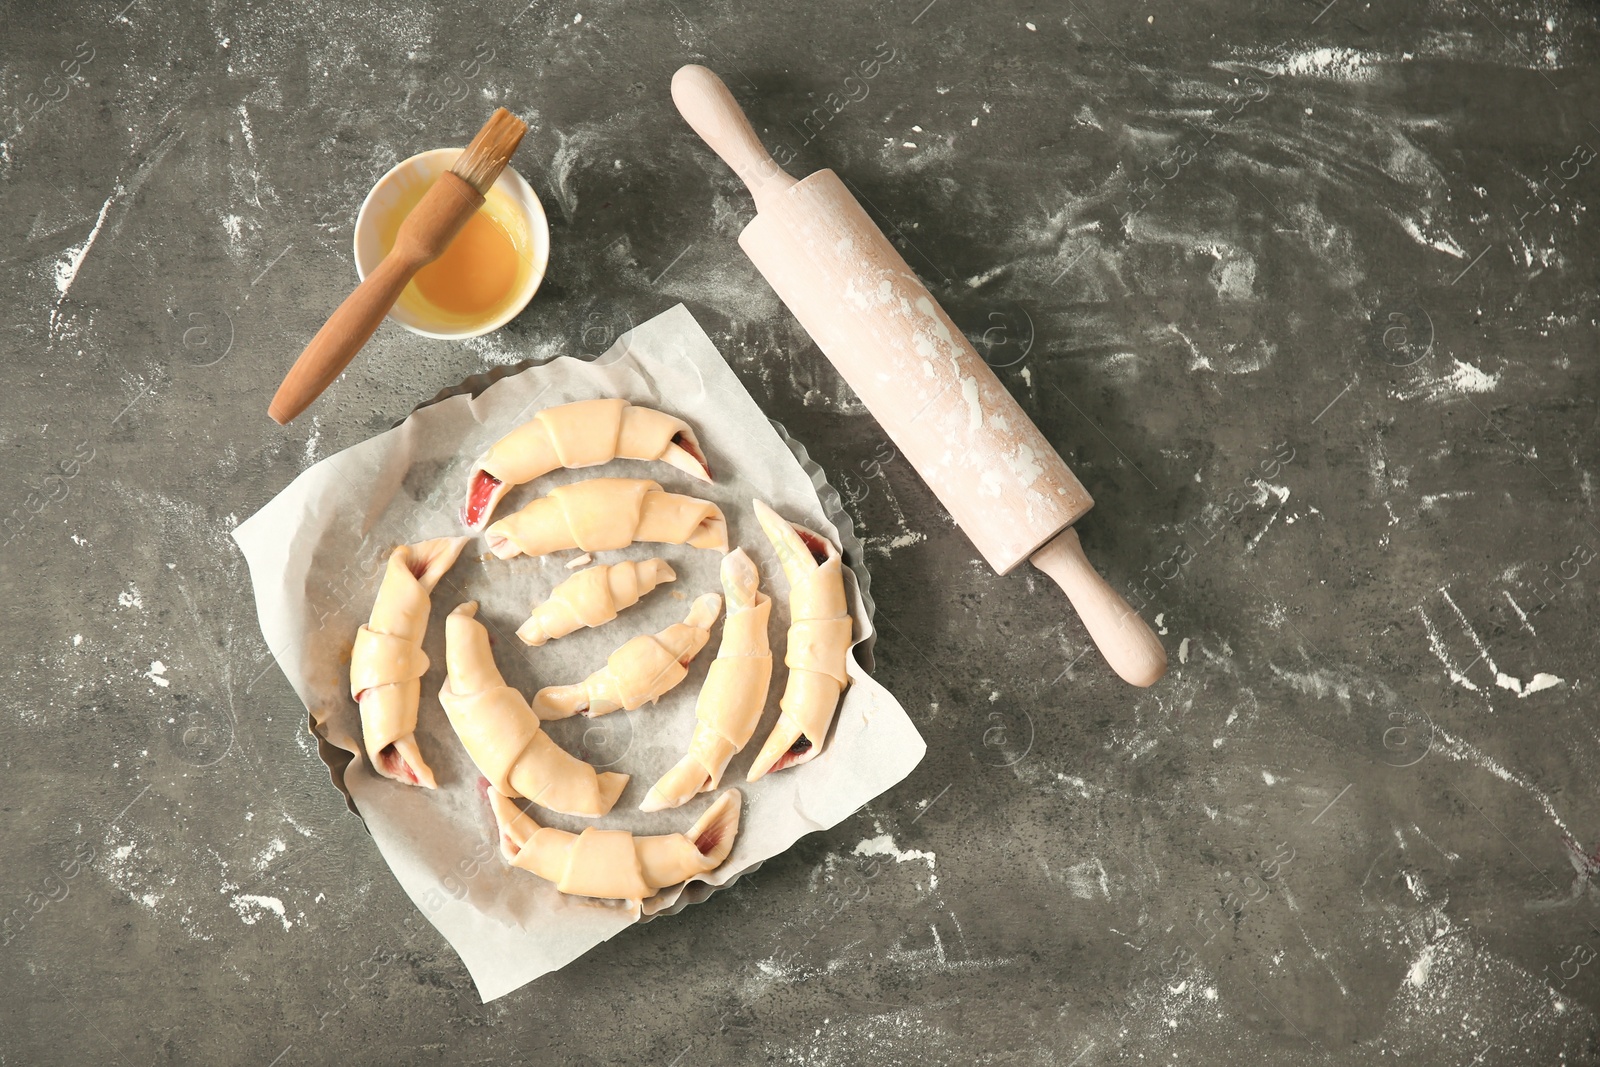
x=422, y=238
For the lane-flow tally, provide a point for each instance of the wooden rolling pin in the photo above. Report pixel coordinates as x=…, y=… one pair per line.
x=912, y=366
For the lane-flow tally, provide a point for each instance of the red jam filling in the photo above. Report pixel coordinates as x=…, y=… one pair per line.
x=483, y=486
x=395, y=766
x=707, y=842
x=801, y=746
x=682, y=441
x=818, y=547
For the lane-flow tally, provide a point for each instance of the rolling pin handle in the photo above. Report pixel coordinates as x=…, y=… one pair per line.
x=708, y=107
x=1124, y=639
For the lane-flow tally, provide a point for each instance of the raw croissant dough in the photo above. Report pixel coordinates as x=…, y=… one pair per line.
x=614, y=864
x=502, y=735
x=820, y=628
x=583, y=434
x=387, y=662
x=593, y=597
x=608, y=513
x=734, y=693
x=639, y=672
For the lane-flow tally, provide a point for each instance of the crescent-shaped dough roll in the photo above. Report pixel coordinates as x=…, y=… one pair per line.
x=734, y=693
x=583, y=434
x=820, y=629
x=387, y=662
x=608, y=513
x=614, y=864
x=639, y=672
x=593, y=597
x=502, y=735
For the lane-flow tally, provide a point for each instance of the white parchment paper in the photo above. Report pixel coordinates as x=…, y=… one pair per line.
x=316, y=554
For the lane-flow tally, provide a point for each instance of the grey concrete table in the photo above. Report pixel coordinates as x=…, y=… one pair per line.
x=1304, y=291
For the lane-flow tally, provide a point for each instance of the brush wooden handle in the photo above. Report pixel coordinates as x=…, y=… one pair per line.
x=1125, y=639
x=708, y=107
x=421, y=239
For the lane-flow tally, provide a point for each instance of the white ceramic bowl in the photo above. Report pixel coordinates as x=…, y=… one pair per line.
x=512, y=201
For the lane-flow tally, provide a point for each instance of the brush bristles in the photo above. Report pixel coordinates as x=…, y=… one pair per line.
x=488, y=153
